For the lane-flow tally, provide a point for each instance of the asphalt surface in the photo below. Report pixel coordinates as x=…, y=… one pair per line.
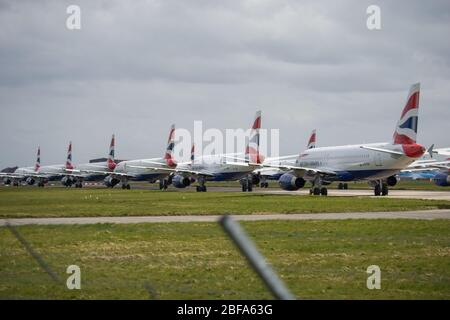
x=418, y=215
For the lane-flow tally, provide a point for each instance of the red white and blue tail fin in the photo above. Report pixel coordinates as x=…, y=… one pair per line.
x=37, y=166
x=111, y=162
x=168, y=156
x=193, y=153
x=252, y=150
x=312, y=140
x=69, y=164
x=406, y=130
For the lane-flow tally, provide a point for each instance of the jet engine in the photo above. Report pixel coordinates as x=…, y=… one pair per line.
x=290, y=182
x=110, y=181
x=7, y=181
x=442, y=179
x=179, y=181
x=391, y=181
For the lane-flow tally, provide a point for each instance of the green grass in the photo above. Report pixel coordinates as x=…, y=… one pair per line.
x=316, y=259
x=61, y=202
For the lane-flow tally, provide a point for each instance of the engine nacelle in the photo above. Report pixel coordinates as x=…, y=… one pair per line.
x=290, y=182
x=30, y=181
x=110, y=181
x=179, y=181
x=442, y=179
x=7, y=181
x=391, y=181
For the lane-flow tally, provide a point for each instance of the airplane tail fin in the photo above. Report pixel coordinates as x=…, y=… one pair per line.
x=406, y=130
x=252, y=150
x=69, y=164
x=110, y=161
x=168, y=156
x=312, y=140
x=193, y=153
x=37, y=166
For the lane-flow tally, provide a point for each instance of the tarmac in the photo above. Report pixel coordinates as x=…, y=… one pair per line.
x=416, y=215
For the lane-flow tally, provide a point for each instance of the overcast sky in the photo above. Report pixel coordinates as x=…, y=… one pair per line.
x=136, y=67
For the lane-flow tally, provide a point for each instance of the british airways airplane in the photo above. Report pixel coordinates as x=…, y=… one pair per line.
x=224, y=167
x=275, y=173
x=89, y=171
x=23, y=173
x=145, y=169
x=435, y=167
x=377, y=163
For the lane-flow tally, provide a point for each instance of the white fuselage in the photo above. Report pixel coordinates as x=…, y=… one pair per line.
x=51, y=173
x=137, y=171
x=352, y=162
x=221, y=167
x=96, y=166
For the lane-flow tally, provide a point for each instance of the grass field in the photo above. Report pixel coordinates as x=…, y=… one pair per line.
x=316, y=259
x=61, y=202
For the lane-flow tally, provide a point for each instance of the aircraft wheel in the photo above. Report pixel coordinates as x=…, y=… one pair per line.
x=128, y=187
x=377, y=190
x=340, y=186
x=324, y=191
x=384, y=190
x=316, y=191
x=244, y=187
x=250, y=187
x=345, y=186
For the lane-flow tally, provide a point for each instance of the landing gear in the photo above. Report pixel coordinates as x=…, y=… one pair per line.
x=317, y=188
x=381, y=189
x=201, y=187
x=41, y=184
x=15, y=184
x=264, y=185
x=342, y=186
x=78, y=185
x=163, y=184
x=247, y=184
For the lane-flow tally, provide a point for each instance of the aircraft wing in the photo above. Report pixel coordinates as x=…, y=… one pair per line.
x=88, y=171
x=175, y=170
x=244, y=164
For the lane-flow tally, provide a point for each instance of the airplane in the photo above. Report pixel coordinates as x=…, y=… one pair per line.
x=45, y=174
x=223, y=167
x=275, y=173
x=145, y=169
x=435, y=167
x=39, y=174
x=22, y=173
x=377, y=163
x=89, y=171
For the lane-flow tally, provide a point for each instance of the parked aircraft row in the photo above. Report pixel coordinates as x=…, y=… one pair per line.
x=377, y=163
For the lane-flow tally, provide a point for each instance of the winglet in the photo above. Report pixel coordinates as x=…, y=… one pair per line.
x=430, y=150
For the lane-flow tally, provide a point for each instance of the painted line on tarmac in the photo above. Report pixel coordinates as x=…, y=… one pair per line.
x=418, y=215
